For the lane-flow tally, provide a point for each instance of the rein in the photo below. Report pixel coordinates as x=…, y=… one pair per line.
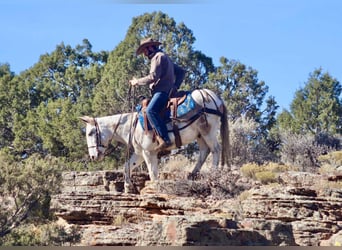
x=131, y=95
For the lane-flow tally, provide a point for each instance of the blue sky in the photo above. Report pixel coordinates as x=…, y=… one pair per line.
x=284, y=40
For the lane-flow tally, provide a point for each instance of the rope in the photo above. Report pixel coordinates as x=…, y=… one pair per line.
x=131, y=94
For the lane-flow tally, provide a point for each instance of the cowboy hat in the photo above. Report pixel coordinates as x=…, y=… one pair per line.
x=146, y=42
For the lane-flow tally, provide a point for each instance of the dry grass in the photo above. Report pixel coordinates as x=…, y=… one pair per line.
x=249, y=170
x=266, y=173
x=325, y=185
x=266, y=177
x=244, y=195
x=330, y=162
x=180, y=166
x=119, y=220
x=177, y=164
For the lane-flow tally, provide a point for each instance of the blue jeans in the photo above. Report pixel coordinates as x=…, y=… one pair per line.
x=155, y=107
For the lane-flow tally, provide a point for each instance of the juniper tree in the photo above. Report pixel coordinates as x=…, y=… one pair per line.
x=316, y=108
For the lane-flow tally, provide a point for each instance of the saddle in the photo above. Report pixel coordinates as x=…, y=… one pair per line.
x=175, y=101
x=177, y=106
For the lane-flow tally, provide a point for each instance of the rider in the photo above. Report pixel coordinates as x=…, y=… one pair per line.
x=161, y=80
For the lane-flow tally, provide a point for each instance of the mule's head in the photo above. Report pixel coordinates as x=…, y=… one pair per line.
x=94, y=138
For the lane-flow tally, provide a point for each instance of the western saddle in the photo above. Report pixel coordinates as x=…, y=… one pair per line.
x=172, y=105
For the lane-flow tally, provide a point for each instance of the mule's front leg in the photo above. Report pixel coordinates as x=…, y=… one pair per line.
x=151, y=161
x=134, y=161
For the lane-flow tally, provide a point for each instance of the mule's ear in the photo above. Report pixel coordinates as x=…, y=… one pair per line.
x=87, y=119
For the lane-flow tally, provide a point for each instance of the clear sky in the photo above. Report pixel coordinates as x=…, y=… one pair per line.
x=284, y=40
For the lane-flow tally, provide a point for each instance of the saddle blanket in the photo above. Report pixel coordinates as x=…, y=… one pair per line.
x=182, y=109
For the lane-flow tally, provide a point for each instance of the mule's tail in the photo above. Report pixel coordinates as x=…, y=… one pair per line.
x=224, y=131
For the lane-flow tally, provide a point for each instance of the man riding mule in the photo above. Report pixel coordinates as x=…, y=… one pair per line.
x=163, y=79
x=209, y=117
x=200, y=122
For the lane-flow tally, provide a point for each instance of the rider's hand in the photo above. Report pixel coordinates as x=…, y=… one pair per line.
x=134, y=81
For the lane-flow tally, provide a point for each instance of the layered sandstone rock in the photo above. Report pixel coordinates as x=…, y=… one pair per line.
x=181, y=212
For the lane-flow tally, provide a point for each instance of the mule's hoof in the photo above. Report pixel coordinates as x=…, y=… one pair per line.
x=193, y=176
x=130, y=189
x=151, y=187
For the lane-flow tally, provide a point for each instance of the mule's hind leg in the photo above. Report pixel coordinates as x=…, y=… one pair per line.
x=214, y=147
x=204, y=152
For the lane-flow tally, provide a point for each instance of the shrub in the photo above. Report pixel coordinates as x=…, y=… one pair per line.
x=223, y=183
x=333, y=159
x=326, y=185
x=177, y=164
x=264, y=173
x=301, y=150
x=119, y=220
x=250, y=169
x=333, y=142
x=26, y=186
x=247, y=143
x=277, y=168
x=265, y=177
x=244, y=195
x=50, y=234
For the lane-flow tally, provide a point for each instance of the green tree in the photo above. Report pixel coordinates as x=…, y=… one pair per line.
x=6, y=111
x=53, y=93
x=243, y=93
x=55, y=128
x=316, y=108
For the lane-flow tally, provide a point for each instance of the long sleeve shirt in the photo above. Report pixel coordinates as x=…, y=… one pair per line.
x=161, y=76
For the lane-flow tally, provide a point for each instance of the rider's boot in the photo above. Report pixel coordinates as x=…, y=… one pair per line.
x=162, y=144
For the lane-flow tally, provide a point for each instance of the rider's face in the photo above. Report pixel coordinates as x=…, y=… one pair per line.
x=148, y=50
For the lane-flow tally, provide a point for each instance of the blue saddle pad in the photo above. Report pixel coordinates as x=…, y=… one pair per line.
x=185, y=107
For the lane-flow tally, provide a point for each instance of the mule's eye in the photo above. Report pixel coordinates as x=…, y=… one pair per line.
x=92, y=132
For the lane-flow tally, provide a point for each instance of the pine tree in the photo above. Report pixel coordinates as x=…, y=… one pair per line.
x=317, y=107
x=53, y=94
x=243, y=92
x=7, y=110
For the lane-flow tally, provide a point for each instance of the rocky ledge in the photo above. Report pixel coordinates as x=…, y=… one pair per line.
x=178, y=212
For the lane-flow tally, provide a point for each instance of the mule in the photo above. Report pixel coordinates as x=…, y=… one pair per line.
x=202, y=124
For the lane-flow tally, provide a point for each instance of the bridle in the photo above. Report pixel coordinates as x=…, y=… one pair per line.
x=98, y=137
